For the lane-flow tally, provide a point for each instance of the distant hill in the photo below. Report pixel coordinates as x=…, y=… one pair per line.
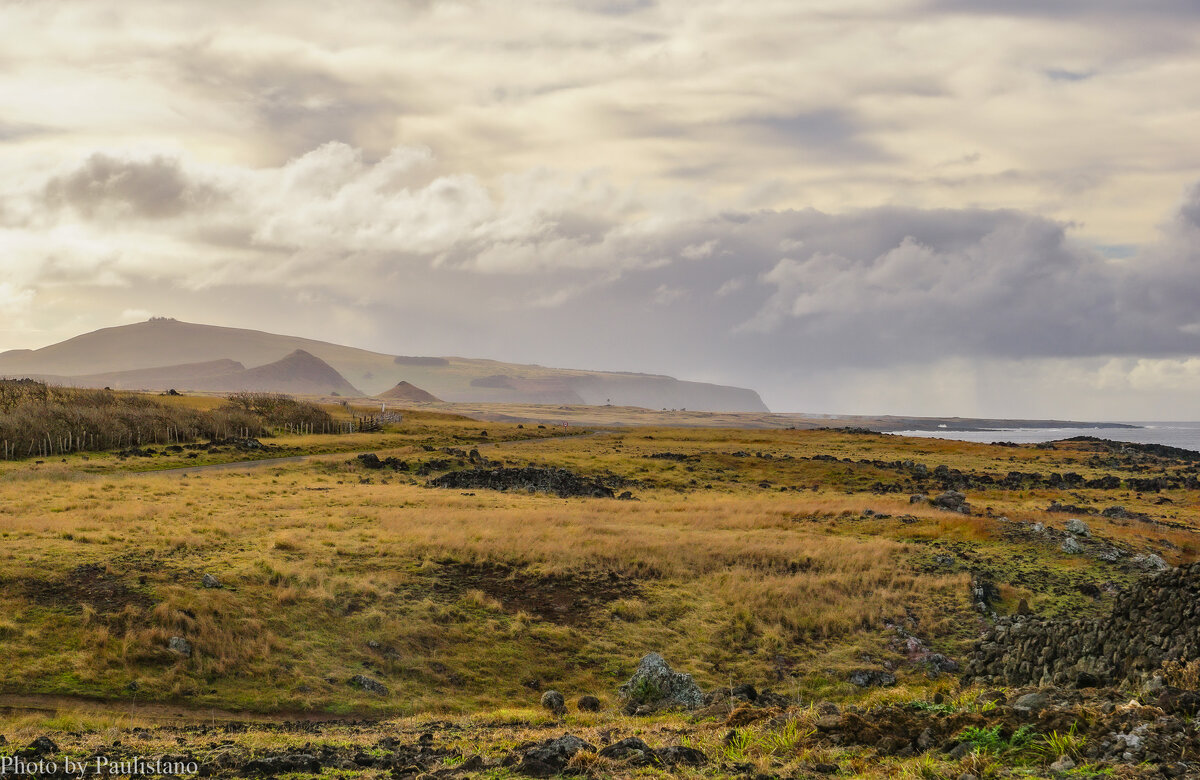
x=403, y=391
x=159, y=344
x=191, y=375
x=298, y=373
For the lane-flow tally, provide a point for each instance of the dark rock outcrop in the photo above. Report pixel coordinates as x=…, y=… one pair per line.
x=631, y=750
x=952, y=500
x=370, y=460
x=560, y=482
x=1156, y=620
x=551, y=757
x=368, y=684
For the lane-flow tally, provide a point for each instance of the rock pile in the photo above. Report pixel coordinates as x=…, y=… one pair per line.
x=372, y=461
x=553, y=757
x=1155, y=621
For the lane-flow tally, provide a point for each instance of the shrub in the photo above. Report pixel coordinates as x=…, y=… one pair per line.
x=41, y=420
x=277, y=409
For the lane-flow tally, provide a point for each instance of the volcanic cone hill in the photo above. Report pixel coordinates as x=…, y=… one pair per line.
x=300, y=372
x=405, y=391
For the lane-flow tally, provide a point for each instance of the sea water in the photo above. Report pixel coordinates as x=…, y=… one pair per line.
x=1172, y=434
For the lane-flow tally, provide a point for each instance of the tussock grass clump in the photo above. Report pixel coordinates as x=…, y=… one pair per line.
x=1183, y=674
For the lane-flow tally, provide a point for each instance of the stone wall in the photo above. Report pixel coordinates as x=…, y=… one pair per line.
x=1154, y=621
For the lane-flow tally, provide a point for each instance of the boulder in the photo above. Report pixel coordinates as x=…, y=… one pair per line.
x=551, y=757
x=210, y=581
x=1063, y=765
x=940, y=663
x=655, y=684
x=554, y=701
x=678, y=754
x=588, y=704
x=40, y=747
x=1032, y=703
x=369, y=685
x=952, y=500
x=1151, y=562
x=744, y=692
x=179, y=646
x=631, y=750
x=1071, y=546
x=1078, y=527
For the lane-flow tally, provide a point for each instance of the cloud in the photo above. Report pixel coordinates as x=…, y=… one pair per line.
x=14, y=299
x=881, y=286
x=105, y=186
x=1172, y=9
x=13, y=131
x=665, y=296
x=824, y=134
x=786, y=195
x=1062, y=74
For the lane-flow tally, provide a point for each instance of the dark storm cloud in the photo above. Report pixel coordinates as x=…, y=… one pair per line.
x=887, y=287
x=154, y=188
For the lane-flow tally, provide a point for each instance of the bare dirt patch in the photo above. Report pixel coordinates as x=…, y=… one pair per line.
x=563, y=600
x=88, y=584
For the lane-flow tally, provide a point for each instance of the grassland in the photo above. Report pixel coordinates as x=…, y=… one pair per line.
x=782, y=558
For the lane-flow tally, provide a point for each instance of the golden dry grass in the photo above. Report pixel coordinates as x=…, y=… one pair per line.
x=449, y=599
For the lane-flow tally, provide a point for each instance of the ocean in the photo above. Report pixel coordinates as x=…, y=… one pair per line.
x=1173, y=434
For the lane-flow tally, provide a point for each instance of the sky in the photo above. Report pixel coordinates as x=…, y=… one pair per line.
x=940, y=207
